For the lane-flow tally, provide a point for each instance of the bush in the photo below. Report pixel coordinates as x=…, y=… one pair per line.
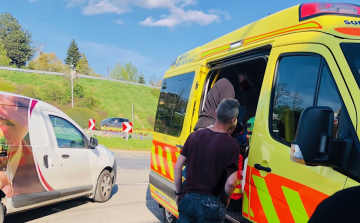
x=102, y=113
x=79, y=91
x=82, y=115
x=27, y=90
x=6, y=86
x=55, y=93
x=88, y=101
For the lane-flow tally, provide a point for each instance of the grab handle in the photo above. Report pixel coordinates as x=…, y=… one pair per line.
x=259, y=167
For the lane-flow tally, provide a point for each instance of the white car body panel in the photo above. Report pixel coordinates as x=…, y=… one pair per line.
x=57, y=174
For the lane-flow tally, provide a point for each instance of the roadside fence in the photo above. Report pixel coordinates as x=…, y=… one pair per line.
x=77, y=75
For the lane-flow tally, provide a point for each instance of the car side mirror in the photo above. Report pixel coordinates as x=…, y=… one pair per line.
x=93, y=142
x=312, y=144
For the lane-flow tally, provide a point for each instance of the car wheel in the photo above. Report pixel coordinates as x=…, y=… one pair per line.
x=168, y=217
x=103, y=187
x=2, y=212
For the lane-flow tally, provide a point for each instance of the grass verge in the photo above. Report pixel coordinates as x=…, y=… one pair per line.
x=120, y=143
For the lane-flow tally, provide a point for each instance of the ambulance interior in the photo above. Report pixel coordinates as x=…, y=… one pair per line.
x=254, y=69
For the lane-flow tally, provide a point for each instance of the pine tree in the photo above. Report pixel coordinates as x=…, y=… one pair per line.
x=16, y=40
x=141, y=79
x=73, y=54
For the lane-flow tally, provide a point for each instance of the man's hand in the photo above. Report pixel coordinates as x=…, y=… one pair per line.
x=177, y=199
x=227, y=202
x=178, y=175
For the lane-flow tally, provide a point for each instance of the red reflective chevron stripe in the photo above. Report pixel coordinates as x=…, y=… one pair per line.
x=275, y=184
x=163, y=161
x=255, y=204
x=247, y=192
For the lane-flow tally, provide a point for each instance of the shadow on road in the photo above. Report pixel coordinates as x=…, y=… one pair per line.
x=153, y=206
x=114, y=190
x=51, y=209
x=45, y=211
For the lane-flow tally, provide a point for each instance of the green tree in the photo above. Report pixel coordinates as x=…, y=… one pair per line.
x=16, y=40
x=119, y=72
x=73, y=55
x=132, y=72
x=141, y=79
x=4, y=59
x=126, y=73
x=83, y=66
x=48, y=62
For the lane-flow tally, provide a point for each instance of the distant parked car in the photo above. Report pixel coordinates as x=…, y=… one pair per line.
x=114, y=122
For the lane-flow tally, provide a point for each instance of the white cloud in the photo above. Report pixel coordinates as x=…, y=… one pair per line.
x=177, y=14
x=119, y=21
x=104, y=6
x=221, y=12
x=73, y=3
x=153, y=4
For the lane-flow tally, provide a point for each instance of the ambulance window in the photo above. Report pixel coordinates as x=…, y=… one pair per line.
x=294, y=90
x=329, y=96
x=352, y=53
x=67, y=135
x=173, y=100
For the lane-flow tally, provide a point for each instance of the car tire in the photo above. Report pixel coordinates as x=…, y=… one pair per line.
x=168, y=217
x=2, y=212
x=103, y=187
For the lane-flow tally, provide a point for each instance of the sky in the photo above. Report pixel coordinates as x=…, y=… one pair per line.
x=148, y=33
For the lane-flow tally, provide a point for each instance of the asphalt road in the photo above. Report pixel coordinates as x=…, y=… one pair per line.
x=130, y=201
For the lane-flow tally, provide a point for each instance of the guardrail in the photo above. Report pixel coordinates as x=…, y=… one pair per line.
x=78, y=75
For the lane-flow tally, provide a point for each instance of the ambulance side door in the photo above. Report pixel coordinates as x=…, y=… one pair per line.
x=279, y=190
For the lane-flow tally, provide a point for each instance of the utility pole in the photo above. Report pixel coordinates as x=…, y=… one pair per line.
x=132, y=113
x=72, y=72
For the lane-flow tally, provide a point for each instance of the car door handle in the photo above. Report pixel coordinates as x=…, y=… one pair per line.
x=65, y=156
x=46, y=161
x=259, y=167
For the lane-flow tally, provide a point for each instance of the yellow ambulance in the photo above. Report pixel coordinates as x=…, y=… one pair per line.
x=304, y=66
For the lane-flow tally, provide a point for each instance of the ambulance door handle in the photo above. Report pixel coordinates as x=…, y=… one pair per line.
x=65, y=156
x=259, y=167
x=179, y=146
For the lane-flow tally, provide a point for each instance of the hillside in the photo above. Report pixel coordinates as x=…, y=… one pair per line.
x=113, y=97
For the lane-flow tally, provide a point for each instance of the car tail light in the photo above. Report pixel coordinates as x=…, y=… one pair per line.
x=309, y=10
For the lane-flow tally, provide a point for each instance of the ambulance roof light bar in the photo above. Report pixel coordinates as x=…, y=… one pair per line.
x=309, y=10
